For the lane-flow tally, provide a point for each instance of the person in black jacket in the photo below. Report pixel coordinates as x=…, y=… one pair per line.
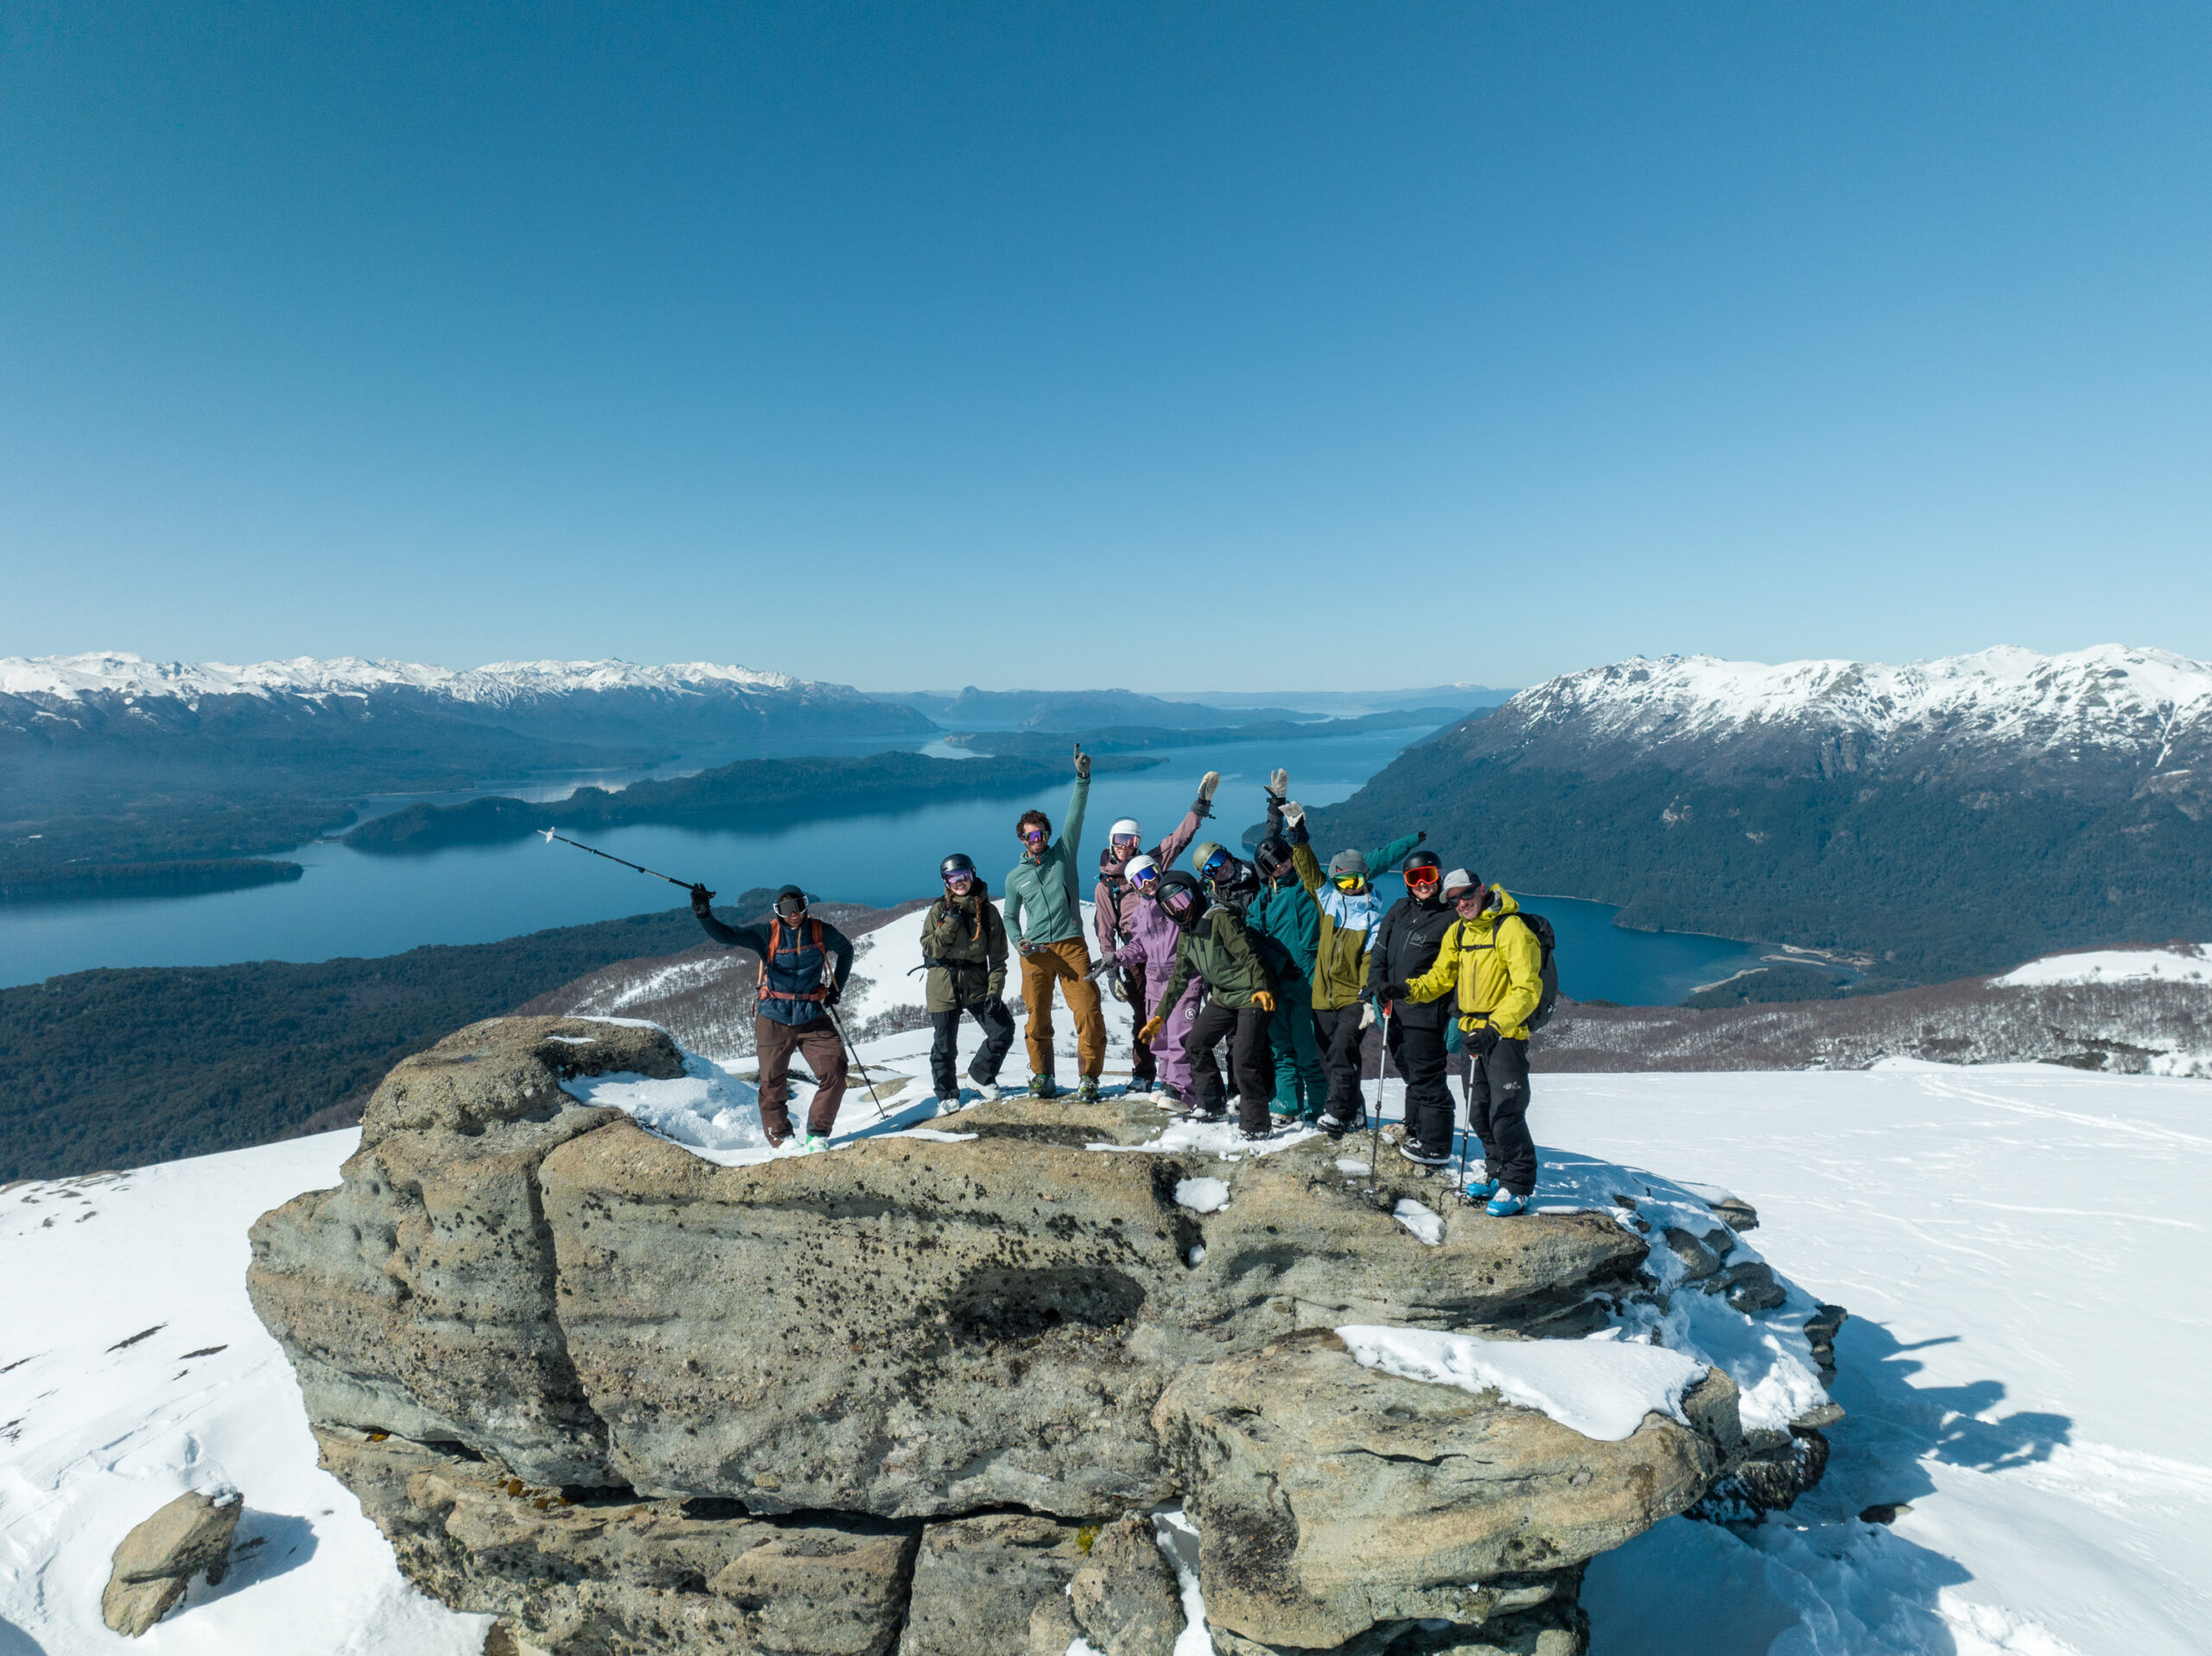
x=803, y=966
x=1405, y=946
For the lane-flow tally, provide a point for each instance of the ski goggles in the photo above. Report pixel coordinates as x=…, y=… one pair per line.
x=1126, y=842
x=1350, y=882
x=961, y=878
x=1033, y=835
x=1145, y=879
x=1422, y=878
x=1177, y=900
x=1216, y=864
x=791, y=907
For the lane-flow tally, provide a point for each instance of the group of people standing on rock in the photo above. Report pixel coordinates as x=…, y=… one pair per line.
x=1285, y=963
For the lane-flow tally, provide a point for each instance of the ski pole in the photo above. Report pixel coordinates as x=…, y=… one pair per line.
x=1374, y=1148
x=1467, y=1132
x=551, y=836
x=838, y=1024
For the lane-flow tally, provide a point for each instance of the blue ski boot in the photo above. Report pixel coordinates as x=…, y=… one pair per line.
x=1479, y=1189
x=1505, y=1204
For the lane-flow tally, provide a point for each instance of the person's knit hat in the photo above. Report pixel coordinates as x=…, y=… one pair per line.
x=1458, y=880
x=1347, y=862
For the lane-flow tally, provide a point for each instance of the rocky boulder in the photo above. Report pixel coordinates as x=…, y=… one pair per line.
x=925, y=1391
x=154, y=1564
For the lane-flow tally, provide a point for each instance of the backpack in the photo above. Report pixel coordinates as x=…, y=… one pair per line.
x=813, y=934
x=1547, y=968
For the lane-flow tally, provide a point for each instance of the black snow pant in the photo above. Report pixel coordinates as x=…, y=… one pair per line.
x=1418, y=1055
x=1338, y=1028
x=998, y=1041
x=1250, y=1055
x=1497, y=1110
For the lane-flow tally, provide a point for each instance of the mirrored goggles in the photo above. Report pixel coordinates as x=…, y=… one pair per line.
x=1145, y=876
x=1214, y=865
x=1178, y=901
x=1034, y=836
x=1422, y=879
x=791, y=907
x=960, y=879
x=1126, y=841
x=1350, y=882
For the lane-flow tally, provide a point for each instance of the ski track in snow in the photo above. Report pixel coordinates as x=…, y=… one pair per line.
x=2024, y=1365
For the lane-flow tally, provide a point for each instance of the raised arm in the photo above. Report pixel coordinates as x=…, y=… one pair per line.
x=1301, y=850
x=1385, y=860
x=1071, y=830
x=753, y=937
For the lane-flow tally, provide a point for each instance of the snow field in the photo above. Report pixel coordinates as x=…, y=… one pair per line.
x=2111, y=965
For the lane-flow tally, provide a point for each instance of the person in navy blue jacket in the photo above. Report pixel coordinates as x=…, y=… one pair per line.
x=804, y=965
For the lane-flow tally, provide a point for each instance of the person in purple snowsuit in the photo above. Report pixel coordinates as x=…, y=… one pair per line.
x=1137, y=942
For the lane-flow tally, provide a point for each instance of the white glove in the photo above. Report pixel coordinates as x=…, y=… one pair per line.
x=1279, y=783
x=1294, y=814
x=1367, y=1014
x=1207, y=783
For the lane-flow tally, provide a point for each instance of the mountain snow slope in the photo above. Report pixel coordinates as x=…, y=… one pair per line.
x=498, y=684
x=2094, y=715
x=2024, y=1366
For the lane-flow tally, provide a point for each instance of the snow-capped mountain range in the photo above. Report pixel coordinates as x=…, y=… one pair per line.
x=67, y=700
x=497, y=684
x=2094, y=716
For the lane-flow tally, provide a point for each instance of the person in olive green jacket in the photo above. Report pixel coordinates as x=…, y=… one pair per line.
x=1240, y=1002
x=1044, y=916
x=1493, y=959
x=1350, y=911
x=963, y=941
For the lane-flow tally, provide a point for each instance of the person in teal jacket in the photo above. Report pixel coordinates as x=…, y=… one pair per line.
x=1286, y=927
x=1044, y=916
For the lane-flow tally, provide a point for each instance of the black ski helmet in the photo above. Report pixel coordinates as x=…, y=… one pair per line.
x=958, y=863
x=1422, y=860
x=1272, y=855
x=1181, y=894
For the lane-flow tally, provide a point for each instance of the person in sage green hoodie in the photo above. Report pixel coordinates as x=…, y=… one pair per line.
x=1044, y=916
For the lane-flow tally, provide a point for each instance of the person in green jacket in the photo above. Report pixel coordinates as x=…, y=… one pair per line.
x=1350, y=910
x=1044, y=916
x=1240, y=1000
x=1286, y=927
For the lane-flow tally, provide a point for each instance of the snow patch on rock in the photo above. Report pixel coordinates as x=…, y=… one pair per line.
x=1601, y=1387
x=2111, y=965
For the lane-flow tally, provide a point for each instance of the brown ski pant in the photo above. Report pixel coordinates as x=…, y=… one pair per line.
x=1068, y=964
x=825, y=1053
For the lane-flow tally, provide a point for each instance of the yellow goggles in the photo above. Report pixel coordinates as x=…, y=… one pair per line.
x=1348, y=882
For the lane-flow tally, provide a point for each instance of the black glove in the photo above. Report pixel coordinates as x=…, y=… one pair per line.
x=1483, y=1042
x=833, y=994
x=1082, y=763
x=1397, y=992
x=1420, y=835
x=701, y=899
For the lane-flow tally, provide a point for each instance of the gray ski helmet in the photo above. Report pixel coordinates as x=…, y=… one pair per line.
x=1272, y=854
x=958, y=863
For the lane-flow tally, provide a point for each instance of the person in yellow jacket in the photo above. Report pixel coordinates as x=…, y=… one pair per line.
x=1491, y=957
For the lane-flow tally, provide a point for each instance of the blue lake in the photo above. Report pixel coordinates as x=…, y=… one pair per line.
x=350, y=904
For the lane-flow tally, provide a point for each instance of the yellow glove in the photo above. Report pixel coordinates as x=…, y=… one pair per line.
x=1263, y=1001
x=1150, y=1033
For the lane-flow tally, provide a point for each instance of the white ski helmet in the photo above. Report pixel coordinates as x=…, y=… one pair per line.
x=1138, y=868
x=1128, y=825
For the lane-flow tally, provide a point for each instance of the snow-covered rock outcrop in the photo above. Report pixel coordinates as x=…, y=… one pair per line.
x=630, y=1396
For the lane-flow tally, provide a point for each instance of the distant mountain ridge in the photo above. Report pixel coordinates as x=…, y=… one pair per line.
x=1945, y=817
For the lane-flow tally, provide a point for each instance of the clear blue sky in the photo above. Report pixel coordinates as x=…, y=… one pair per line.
x=1171, y=346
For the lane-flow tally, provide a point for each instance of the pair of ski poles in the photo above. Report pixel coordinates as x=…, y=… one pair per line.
x=1374, y=1150
x=835, y=1022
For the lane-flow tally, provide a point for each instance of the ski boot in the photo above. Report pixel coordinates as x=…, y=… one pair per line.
x=985, y=1091
x=1336, y=1125
x=1424, y=1158
x=1480, y=1188
x=1139, y=1086
x=1209, y=1118
x=1086, y=1090
x=1044, y=1086
x=1171, y=1098
x=1248, y=1137
x=1505, y=1204
x=815, y=1144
